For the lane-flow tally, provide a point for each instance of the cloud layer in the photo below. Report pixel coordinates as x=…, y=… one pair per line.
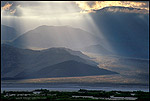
x=8, y=9
x=54, y=9
x=91, y=6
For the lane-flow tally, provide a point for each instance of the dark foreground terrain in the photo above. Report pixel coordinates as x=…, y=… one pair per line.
x=82, y=94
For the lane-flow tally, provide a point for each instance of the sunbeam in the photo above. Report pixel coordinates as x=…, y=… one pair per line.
x=75, y=45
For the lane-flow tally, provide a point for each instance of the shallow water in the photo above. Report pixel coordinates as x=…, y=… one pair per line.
x=72, y=87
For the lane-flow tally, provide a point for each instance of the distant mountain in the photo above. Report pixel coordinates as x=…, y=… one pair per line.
x=16, y=62
x=54, y=36
x=69, y=68
x=125, y=29
x=98, y=49
x=7, y=33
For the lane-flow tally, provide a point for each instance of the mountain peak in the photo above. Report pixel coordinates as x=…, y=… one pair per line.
x=54, y=36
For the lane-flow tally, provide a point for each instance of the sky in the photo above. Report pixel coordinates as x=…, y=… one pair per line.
x=57, y=13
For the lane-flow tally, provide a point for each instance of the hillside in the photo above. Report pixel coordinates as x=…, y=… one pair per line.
x=22, y=62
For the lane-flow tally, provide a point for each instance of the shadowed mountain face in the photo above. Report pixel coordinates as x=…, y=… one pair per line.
x=69, y=68
x=127, y=33
x=7, y=33
x=19, y=63
x=54, y=36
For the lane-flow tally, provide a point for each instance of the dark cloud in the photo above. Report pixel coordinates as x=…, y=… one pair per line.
x=87, y=7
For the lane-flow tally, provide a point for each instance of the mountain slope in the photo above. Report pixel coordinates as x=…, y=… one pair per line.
x=73, y=52
x=54, y=36
x=69, y=68
x=7, y=33
x=15, y=60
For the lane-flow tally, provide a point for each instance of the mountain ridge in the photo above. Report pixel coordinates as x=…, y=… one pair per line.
x=16, y=62
x=72, y=68
x=51, y=36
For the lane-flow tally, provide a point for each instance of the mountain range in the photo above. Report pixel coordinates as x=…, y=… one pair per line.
x=125, y=29
x=19, y=63
x=54, y=36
